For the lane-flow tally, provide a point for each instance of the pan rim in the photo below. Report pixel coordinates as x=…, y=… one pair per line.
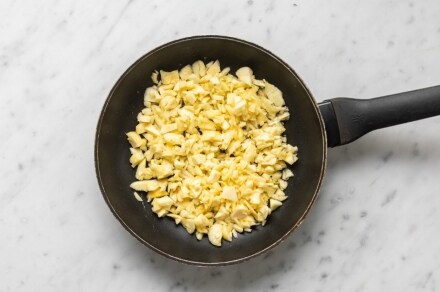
x=157, y=249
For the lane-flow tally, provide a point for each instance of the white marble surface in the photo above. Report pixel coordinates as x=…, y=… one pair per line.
x=375, y=226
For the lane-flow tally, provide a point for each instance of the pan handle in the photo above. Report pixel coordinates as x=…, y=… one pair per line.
x=347, y=119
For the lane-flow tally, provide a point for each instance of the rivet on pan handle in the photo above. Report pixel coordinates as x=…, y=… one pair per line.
x=347, y=119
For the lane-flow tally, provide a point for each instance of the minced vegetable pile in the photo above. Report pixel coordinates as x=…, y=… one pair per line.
x=209, y=149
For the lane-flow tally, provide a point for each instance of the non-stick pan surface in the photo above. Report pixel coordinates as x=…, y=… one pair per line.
x=304, y=129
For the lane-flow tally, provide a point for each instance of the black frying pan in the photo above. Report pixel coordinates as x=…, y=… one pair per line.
x=312, y=127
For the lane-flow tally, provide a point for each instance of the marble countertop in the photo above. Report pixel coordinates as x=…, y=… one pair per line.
x=375, y=226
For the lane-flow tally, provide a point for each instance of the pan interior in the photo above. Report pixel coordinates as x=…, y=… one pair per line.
x=304, y=129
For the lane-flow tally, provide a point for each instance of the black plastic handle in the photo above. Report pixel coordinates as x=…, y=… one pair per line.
x=347, y=119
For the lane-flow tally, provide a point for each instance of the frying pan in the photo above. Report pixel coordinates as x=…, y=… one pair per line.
x=312, y=127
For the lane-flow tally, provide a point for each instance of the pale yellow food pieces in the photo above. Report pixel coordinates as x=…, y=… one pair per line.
x=145, y=185
x=274, y=94
x=169, y=77
x=209, y=149
x=229, y=193
x=136, y=156
x=135, y=140
x=245, y=75
x=215, y=234
x=274, y=204
x=138, y=197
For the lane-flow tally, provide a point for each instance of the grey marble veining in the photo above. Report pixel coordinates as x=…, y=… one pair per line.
x=375, y=224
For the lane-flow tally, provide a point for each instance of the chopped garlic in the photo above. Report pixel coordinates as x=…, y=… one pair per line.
x=215, y=234
x=145, y=185
x=209, y=151
x=245, y=75
x=229, y=193
x=287, y=173
x=169, y=77
x=135, y=140
x=274, y=94
x=274, y=204
x=139, y=198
